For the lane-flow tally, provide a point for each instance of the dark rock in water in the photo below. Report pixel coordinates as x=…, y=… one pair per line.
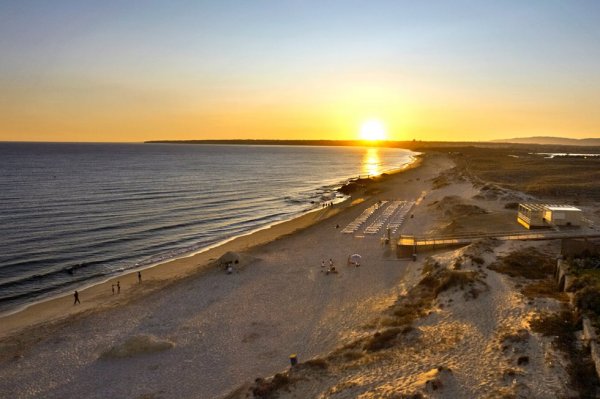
x=349, y=188
x=354, y=185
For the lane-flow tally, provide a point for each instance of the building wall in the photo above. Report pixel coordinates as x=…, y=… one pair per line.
x=541, y=215
x=563, y=218
x=530, y=218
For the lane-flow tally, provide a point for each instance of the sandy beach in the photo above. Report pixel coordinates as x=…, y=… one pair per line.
x=300, y=200
x=235, y=327
x=189, y=330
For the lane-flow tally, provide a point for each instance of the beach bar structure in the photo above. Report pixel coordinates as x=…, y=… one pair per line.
x=563, y=215
x=531, y=215
x=544, y=215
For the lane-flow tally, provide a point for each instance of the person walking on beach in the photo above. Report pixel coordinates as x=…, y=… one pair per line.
x=118, y=287
x=76, y=296
x=330, y=263
x=113, y=289
x=140, y=277
x=322, y=262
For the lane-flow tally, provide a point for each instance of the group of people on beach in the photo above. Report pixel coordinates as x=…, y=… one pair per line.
x=118, y=288
x=113, y=286
x=331, y=268
x=326, y=204
x=353, y=260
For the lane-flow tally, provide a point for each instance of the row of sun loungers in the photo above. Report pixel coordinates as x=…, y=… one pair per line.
x=360, y=220
x=395, y=212
x=374, y=227
x=396, y=221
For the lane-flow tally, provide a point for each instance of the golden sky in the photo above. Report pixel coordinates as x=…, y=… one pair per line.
x=76, y=71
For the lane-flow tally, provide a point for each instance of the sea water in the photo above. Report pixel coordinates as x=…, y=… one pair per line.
x=74, y=214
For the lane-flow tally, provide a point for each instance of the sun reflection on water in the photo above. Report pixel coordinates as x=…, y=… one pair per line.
x=371, y=163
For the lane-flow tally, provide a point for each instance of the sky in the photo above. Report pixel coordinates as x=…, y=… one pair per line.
x=130, y=71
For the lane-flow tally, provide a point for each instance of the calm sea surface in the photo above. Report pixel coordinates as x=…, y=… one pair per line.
x=75, y=214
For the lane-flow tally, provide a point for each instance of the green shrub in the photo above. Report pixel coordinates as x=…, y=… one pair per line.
x=266, y=389
x=453, y=278
x=588, y=300
x=528, y=263
x=382, y=340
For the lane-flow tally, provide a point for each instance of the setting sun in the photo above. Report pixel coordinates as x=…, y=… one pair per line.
x=373, y=130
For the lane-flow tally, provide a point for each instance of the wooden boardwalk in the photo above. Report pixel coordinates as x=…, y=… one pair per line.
x=409, y=245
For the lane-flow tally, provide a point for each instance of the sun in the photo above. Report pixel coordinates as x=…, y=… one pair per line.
x=373, y=130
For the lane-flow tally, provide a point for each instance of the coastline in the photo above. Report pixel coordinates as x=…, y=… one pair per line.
x=97, y=296
x=203, y=333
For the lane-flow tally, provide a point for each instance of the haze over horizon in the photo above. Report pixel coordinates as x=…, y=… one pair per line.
x=435, y=71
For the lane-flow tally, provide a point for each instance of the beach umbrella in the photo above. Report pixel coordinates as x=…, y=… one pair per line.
x=355, y=258
x=230, y=257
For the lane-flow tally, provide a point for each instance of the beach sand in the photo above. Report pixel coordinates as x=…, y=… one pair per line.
x=226, y=329
x=191, y=331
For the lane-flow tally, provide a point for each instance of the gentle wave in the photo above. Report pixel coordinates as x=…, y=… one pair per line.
x=73, y=214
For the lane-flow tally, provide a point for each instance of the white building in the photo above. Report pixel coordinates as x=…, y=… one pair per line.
x=531, y=215
x=544, y=215
x=563, y=215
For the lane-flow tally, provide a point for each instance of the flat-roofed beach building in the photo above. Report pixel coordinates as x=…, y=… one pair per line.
x=531, y=215
x=545, y=215
x=563, y=215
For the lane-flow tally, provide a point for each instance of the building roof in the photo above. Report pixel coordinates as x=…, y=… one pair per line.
x=563, y=208
x=533, y=207
x=550, y=207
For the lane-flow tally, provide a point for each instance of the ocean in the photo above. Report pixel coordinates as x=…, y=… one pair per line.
x=75, y=214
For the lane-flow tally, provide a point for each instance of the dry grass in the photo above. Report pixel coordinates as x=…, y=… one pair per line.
x=546, y=288
x=440, y=280
x=558, y=178
x=588, y=301
x=528, y=263
x=267, y=388
x=430, y=266
x=562, y=327
x=353, y=355
x=586, y=289
x=455, y=278
x=383, y=339
x=317, y=363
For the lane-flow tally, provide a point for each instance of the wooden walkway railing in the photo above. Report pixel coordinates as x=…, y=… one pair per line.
x=409, y=245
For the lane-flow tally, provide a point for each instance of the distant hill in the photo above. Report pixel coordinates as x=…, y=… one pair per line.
x=540, y=144
x=551, y=141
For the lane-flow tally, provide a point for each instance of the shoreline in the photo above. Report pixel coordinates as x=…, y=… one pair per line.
x=97, y=296
x=388, y=327
x=224, y=329
x=159, y=263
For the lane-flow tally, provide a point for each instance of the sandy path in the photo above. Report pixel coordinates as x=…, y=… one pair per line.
x=226, y=329
x=467, y=336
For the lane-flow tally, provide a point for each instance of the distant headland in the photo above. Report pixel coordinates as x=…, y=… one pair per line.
x=546, y=143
